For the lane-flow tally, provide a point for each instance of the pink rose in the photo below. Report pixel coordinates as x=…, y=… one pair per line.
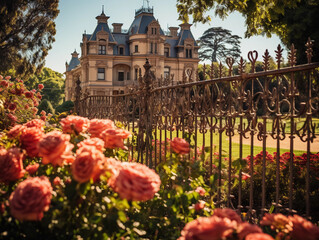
x=38, y=123
x=201, y=191
x=258, y=236
x=227, y=213
x=303, y=229
x=7, y=78
x=56, y=149
x=114, y=138
x=208, y=228
x=180, y=146
x=40, y=86
x=95, y=142
x=30, y=139
x=246, y=228
x=88, y=164
x=11, y=167
x=276, y=221
x=57, y=181
x=199, y=206
x=31, y=169
x=29, y=94
x=135, y=181
x=76, y=124
x=15, y=131
x=97, y=126
x=31, y=198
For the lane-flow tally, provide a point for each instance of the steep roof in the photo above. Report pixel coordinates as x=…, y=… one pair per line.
x=100, y=27
x=74, y=61
x=184, y=34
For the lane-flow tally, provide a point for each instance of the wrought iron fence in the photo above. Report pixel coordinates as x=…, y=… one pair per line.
x=221, y=113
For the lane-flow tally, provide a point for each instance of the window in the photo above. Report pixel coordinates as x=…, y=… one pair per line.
x=166, y=72
x=101, y=73
x=188, y=53
x=135, y=73
x=154, y=31
x=102, y=49
x=128, y=76
x=151, y=47
x=166, y=52
x=121, y=51
x=121, y=76
x=155, y=47
x=136, y=48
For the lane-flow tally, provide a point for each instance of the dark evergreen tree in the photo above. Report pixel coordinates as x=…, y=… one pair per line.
x=217, y=43
x=27, y=32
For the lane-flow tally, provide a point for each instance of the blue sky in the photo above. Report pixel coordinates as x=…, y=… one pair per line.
x=76, y=16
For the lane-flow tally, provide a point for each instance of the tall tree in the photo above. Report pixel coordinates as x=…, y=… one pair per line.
x=26, y=34
x=292, y=20
x=217, y=43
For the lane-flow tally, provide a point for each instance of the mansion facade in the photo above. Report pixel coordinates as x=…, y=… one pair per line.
x=110, y=59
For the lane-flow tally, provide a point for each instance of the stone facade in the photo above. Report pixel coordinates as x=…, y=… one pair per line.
x=110, y=60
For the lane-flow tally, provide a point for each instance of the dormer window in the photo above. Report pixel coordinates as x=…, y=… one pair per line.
x=121, y=50
x=166, y=51
x=189, y=53
x=102, y=50
x=154, y=30
x=136, y=48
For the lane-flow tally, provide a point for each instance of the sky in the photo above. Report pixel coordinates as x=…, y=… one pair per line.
x=77, y=16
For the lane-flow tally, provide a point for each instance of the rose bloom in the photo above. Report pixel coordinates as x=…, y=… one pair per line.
x=276, y=221
x=201, y=191
x=28, y=94
x=31, y=198
x=4, y=83
x=56, y=149
x=11, y=167
x=180, y=146
x=97, y=126
x=75, y=124
x=40, y=86
x=208, y=228
x=246, y=228
x=95, y=142
x=38, y=123
x=303, y=229
x=57, y=181
x=12, y=107
x=7, y=78
x=112, y=165
x=258, y=236
x=227, y=213
x=30, y=139
x=199, y=206
x=15, y=131
x=31, y=169
x=88, y=164
x=12, y=118
x=135, y=182
x=245, y=176
x=114, y=138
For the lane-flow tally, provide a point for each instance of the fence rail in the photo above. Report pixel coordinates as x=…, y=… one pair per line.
x=221, y=113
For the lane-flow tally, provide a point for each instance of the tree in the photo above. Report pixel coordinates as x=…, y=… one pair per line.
x=46, y=106
x=26, y=34
x=53, y=85
x=293, y=20
x=217, y=43
x=65, y=107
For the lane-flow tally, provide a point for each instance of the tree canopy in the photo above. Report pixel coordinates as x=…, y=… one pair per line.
x=217, y=43
x=292, y=20
x=26, y=34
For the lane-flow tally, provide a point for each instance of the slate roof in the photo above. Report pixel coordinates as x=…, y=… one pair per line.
x=73, y=63
x=121, y=39
x=98, y=28
x=184, y=34
x=140, y=23
x=172, y=43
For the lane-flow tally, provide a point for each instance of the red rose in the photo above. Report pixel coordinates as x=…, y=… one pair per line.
x=30, y=138
x=208, y=228
x=88, y=164
x=57, y=181
x=95, y=142
x=199, y=206
x=135, y=181
x=40, y=86
x=258, y=236
x=4, y=83
x=97, y=126
x=56, y=149
x=31, y=198
x=76, y=124
x=12, y=107
x=38, y=123
x=11, y=167
x=180, y=146
x=29, y=94
x=227, y=213
x=31, y=169
x=114, y=138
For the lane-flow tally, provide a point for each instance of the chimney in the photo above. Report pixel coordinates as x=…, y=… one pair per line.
x=185, y=26
x=117, y=27
x=173, y=31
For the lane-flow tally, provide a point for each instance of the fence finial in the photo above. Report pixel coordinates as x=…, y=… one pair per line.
x=266, y=58
x=292, y=56
x=309, y=50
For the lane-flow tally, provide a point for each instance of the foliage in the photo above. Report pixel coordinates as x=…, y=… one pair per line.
x=46, y=106
x=216, y=44
x=67, y=106
x=17, y=104
x=27, y=32
x=293, y=21
x=53, y=85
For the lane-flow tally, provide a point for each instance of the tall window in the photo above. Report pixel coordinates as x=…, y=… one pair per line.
x=136, y=48
x=101, y=73
x=155, y=47
x=121, y=76
x=166, y=52
x=136, y=74
x=154, y=31
x=151, y=47
x=121, y=51
x=102, y=49
x=128, y=77
x=188, y=53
